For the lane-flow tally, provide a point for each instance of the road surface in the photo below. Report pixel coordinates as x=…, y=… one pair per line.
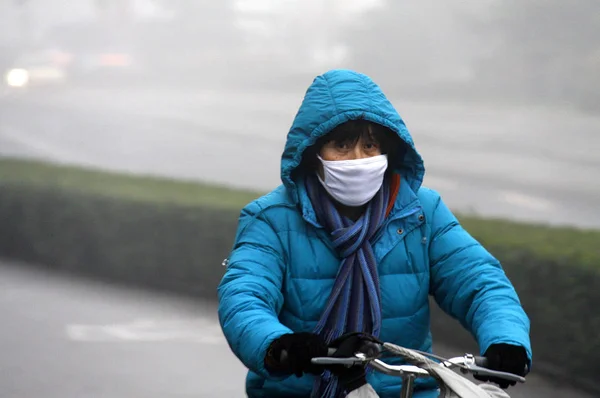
x=521, y=163
x=70, y=338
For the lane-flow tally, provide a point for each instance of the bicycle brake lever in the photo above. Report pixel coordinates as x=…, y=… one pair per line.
x=359, y=359
x=336, y=361
x=478, y=370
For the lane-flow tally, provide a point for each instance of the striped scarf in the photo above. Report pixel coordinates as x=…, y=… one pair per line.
x=354, y=304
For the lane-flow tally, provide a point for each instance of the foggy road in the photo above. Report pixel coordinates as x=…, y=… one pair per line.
x=521, y=163
x=69, y=338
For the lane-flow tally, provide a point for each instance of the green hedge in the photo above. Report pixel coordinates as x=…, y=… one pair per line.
x=123, y=187
x=175, y=248
x=174, y=235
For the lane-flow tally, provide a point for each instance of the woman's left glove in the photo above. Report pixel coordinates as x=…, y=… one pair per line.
x=505, y=358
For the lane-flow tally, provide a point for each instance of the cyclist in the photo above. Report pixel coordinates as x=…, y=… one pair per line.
x=352, y=241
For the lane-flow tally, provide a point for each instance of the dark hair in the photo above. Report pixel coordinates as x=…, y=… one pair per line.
x=349, y=133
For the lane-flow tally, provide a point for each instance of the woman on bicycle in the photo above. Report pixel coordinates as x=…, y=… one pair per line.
x=352, y=242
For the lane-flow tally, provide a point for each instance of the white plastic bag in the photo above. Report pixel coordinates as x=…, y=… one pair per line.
x=452, y=384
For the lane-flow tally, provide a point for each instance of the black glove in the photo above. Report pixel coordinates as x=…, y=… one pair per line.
x=354, y=377
x=300, y=349
x=505, y=358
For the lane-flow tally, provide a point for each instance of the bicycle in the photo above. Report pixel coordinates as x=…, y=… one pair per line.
x=451, y=384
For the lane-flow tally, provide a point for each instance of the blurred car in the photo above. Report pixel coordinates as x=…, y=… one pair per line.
x=96, y=52
x=36, y=68
x=75, y=53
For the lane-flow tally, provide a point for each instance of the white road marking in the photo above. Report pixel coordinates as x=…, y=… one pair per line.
x=200, y=331
x=527, y=201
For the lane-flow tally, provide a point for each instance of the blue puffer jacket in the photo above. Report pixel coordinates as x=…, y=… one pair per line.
x=282, y=266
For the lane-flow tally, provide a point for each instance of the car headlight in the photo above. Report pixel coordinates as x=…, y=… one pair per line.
x=17, y=78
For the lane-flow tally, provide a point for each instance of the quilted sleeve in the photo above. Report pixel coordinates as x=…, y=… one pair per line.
x=250, y=295
x=469, y=284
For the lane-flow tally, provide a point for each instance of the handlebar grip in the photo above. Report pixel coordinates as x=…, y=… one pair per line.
x=283, y=357
x=484, y=363
x=481, y=361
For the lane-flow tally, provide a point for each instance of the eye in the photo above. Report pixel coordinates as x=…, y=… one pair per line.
x=342, y=146
x=371, y=146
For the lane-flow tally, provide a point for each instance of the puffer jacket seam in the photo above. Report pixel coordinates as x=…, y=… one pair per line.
x=363, y=83
x=301, y=278
x=331, y=95
x=261, y=211
x=454, y=252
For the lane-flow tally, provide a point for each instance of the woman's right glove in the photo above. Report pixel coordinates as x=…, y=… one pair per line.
x=354, y=377
x=299, y=349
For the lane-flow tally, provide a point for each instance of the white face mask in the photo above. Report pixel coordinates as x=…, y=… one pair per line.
x=353, y=182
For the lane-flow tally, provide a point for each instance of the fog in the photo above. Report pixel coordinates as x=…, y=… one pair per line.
x=526, y=51
x=501, y=96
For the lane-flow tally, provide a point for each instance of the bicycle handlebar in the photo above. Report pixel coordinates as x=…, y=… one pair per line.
x=371, y=351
